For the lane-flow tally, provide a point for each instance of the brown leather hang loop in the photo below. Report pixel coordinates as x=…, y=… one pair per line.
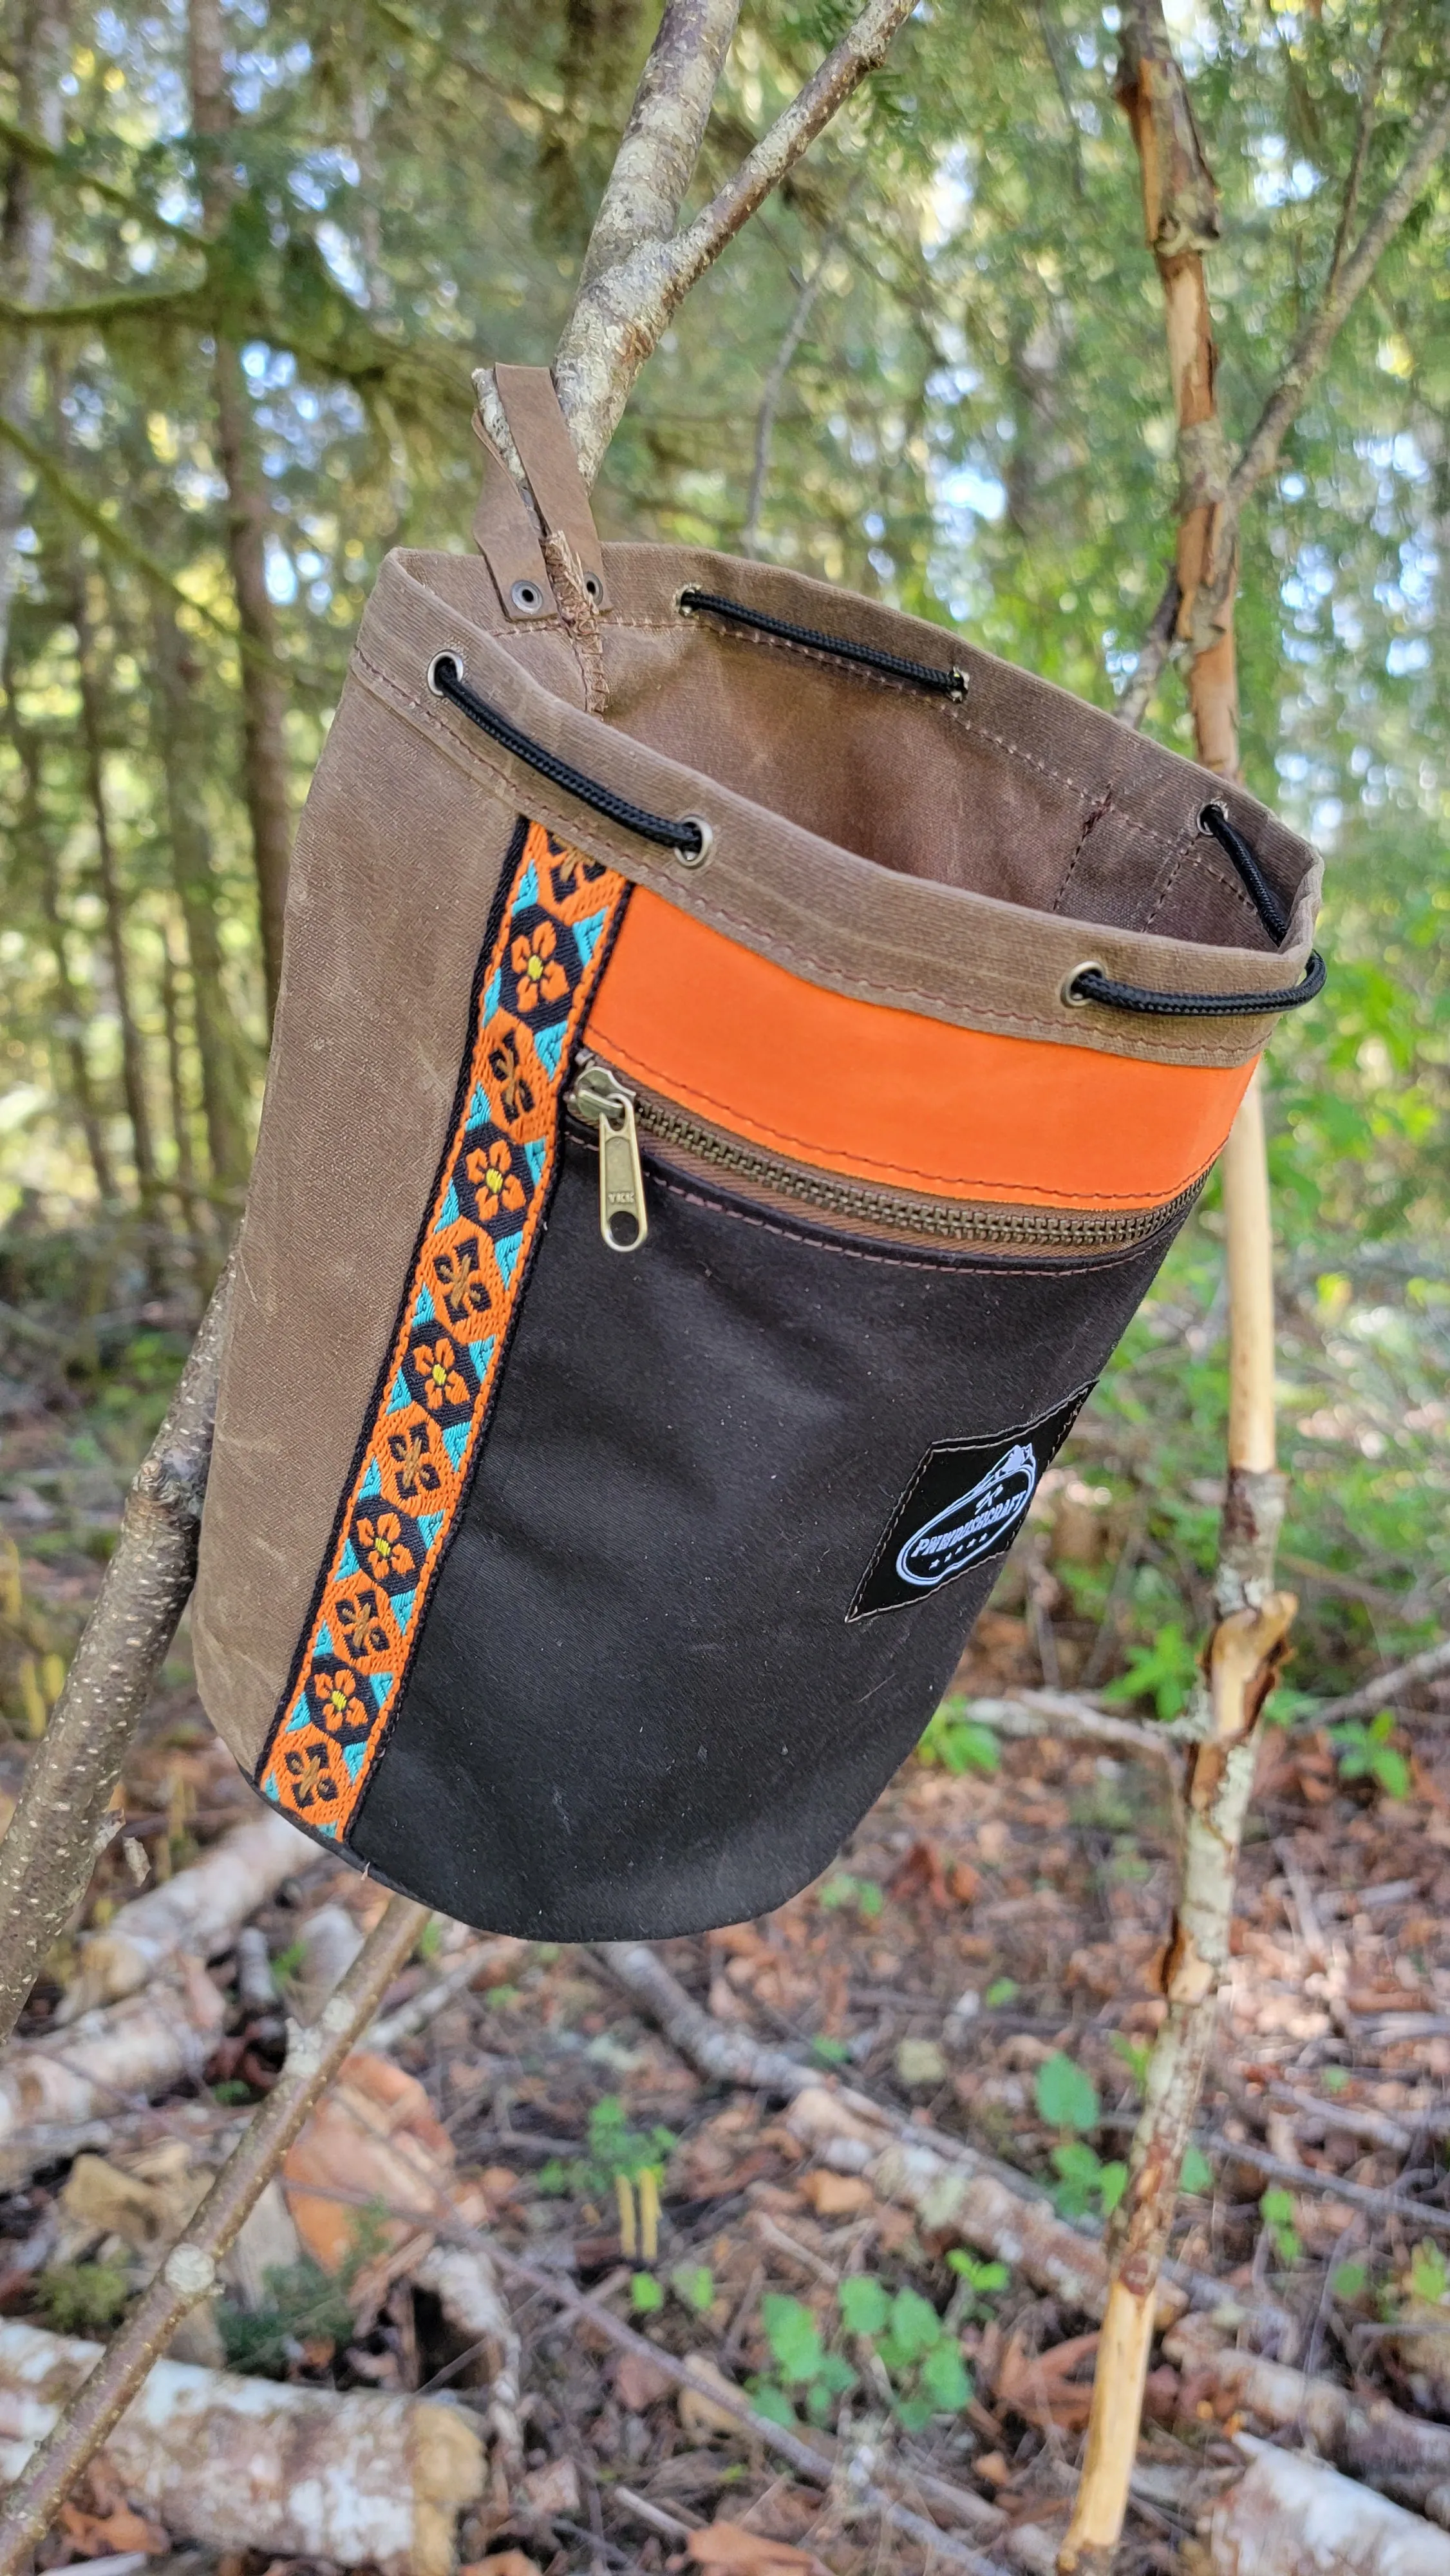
x=546, y=451
x=507, y=539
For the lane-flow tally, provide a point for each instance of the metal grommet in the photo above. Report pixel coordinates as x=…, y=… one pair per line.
x=527, y=598
x=959, y=683
x=455, y=658
x=684, y=601
x=1215, y=805
x=687, y=857
x=594, y=586
x=1079, y=1001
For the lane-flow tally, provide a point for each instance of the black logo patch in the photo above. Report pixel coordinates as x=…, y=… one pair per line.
x=965, y=1505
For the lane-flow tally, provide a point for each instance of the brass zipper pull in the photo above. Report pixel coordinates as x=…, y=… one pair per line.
x=600, y=1099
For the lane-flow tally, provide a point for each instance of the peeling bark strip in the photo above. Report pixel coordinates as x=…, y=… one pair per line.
x=1181, y=218
x=190, y=2271
x=64, y=1818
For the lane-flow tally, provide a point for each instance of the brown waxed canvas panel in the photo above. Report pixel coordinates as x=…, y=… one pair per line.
x=619, y=1431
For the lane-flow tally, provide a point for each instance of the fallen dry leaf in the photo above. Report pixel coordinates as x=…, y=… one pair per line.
x=729, y=2544
x=639, y=2383
x=833, y=2195
x=698, y=2413
x=112, y=2535
x=374, y=2137
x=554, y=2489
x=1041, y=2387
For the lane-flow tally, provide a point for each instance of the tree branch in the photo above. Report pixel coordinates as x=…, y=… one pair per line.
x=1368, y=1701
x=661, y=143
x=190, y=2271
x=63, y=1821
x=774, y=386
x=1343, y=287
x=118, y=304
x=620, y=314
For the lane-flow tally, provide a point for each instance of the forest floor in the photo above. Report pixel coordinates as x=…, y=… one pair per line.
x=979, y=1962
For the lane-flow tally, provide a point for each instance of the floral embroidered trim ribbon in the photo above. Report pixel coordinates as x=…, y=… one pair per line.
x=535, y=985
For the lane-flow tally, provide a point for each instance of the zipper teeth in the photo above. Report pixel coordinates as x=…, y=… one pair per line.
x=942, y=1219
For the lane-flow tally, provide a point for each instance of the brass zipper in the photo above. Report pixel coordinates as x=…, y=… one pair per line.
x=856, y=1203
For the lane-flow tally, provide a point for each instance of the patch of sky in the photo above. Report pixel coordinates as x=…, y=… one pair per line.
x=343, y=261
x=281, y=574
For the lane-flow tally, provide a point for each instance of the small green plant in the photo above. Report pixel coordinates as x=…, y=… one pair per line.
x=1428, y=2277
x=1366, y=1753
x=863, y=1893
x=1197, y=2173
x=978, y=2283
x=1164, y=1672
x=958, y=1742
x=916, y=2348
x=801, y=2363
x=613, y=2150
x=694, y=2285
x=83, y=2298
x=1067, y=2098
x=830, y=2052
x=1001, y=1992
x=645, y=2295
x=1348, y=2281
x=304, y=2305
x=631, y=2162
x=430, y=1939
x=1135, y=2054
x=1276, y=2208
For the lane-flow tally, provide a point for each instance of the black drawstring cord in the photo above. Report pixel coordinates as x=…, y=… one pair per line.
x=1213, y=818
x=923, y=675
x=1090, y=984
x=689, y=838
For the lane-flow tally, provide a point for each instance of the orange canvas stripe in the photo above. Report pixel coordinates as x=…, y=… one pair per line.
x=886, y=1095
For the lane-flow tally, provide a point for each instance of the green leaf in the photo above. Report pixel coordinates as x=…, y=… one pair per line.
x=984, y=2278
x=1197, y=2173
x=915, y=2324
x=793, y=2337
x=1066, y=2097
x=1001, y=1992
x=645, y=2294
x=1164, y=1672
x=694, y=2283
x=830, y=2052
x=1347, y=2280
x=945, y=2378
x=863, y=2304
x=1429, y=2271
x=914, y=2414
x=1112, y=2183
x=771, y=2402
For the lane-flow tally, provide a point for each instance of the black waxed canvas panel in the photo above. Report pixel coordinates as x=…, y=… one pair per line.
x=636, y=1707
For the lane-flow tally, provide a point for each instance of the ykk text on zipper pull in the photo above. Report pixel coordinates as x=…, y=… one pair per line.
x=601, y=1099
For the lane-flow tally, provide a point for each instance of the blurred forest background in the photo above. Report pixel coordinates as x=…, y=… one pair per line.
x=248, y=259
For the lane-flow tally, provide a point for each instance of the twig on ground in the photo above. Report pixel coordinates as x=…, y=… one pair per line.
x=65, y=1818
x=1356, y=2195
x=1373, y=1696
x=190, y=2271
x=198, y=1911
x=1366, y=2436
x=452, y=1976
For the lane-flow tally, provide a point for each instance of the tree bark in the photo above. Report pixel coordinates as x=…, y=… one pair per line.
x=133, y=1054
x=264, y=751
x=27, y=244
x=64, y=1817
x=218, y=1041
x=68, y=1022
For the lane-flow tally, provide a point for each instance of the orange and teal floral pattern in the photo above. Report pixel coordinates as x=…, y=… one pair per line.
x=535, y=986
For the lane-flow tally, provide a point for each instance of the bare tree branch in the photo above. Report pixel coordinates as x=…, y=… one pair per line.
x=1260, y=455
x=620, y=314
x=661, y=143
x=190, y=2271
x=1377, y=1694
x=64, y=1816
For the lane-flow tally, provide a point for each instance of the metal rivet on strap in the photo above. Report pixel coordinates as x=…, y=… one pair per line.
x=527, y=598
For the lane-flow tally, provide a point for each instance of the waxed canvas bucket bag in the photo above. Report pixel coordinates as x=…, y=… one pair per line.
x=742, y=1057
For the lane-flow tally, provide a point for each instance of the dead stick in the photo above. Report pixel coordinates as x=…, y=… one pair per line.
x=63, y=1820
x=190, y=2271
